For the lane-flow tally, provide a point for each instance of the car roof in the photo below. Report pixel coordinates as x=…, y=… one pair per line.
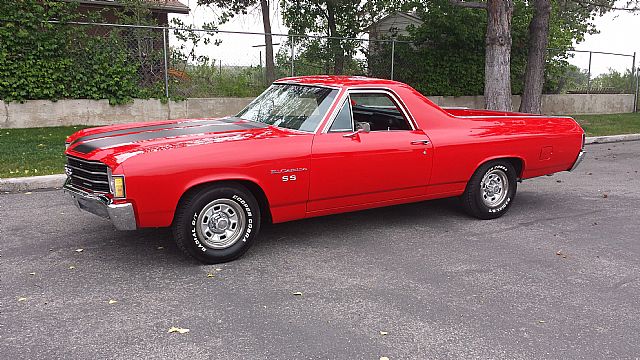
x=339, y=81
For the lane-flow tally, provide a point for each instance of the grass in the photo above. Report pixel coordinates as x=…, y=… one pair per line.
x=611, y=124
x=40, y=151
x=33, y=151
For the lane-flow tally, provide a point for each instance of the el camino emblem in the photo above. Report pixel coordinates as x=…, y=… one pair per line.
x=286, y=171
x=287, y=178
x=68, y=170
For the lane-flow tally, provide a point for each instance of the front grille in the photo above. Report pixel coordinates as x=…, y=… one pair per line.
x=88, y=175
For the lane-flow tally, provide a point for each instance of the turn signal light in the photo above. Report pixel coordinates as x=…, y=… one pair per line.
x=118, y=186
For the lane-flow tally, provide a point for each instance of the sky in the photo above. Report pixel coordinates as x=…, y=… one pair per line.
x=619, y=33
x=235, y=49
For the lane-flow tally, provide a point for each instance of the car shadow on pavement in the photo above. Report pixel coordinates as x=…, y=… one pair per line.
x=352, y=226
x=147, y=246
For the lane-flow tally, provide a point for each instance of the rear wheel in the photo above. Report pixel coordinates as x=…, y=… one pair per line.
x=491, y=190
x=217, y=224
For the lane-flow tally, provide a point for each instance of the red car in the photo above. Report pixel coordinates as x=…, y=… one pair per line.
x=309, y=146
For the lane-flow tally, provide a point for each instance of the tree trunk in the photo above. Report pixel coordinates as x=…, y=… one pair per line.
x=270, y=74
x=538, y=42
x=335, y=45
x=497, y=69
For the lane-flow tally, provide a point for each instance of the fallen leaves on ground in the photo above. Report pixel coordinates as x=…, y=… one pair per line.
x=111, y=302
x=22, y=299
x=79, y=250
x=178, y=330
x=384, y=358
x=384, y=333
x=210, y=275
x=71, y=267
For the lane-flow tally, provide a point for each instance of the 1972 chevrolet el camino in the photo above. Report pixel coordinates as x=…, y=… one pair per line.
x=309, y=146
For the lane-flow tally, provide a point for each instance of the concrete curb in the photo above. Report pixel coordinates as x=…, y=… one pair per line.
x=32, y=183
x=56, y=181
x=611, y=139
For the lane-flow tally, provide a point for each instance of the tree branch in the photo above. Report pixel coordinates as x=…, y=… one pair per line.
x=469, y=4
x=603, y=5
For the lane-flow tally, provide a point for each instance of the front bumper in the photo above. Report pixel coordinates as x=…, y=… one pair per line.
x=121, y=215
x=578, y=160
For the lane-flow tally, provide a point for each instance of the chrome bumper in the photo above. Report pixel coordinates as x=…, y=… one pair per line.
x=121, y=215
x=578, y=160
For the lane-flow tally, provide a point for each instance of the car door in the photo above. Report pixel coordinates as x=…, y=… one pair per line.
x=370, y=152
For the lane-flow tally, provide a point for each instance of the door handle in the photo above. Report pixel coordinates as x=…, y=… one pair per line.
x=420, y=142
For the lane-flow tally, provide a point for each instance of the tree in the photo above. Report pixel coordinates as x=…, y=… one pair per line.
x=231, y=8
x=497, y=89
x=573, y=13
x=268, y=41
x=334, y=19
x=447, y=52
x=614, y=82
x=538, y=44
x=443, y=56
x=578, y=14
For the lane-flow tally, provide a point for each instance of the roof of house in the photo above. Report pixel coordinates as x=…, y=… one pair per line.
x=411, y=17
x=172, y=6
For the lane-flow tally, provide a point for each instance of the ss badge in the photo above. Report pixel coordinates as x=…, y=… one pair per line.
x=289, y=178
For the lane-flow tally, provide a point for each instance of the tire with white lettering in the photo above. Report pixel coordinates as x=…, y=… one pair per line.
x=491, y=190
x=217, y=224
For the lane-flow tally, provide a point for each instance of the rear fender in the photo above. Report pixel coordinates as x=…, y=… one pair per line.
x=519, y=167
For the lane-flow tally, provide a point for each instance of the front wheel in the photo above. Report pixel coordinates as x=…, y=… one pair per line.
x=491, y=190
x=217, y=224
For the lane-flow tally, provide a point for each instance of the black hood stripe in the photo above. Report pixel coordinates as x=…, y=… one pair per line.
x=183, y=124
x=213, y=126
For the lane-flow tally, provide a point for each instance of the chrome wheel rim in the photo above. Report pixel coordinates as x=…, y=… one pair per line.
x=494, y=187
x=220, y=224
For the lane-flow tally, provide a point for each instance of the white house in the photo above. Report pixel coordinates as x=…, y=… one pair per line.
x=393, y=25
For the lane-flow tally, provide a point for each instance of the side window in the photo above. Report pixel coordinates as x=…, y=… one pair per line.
x=343, y=121
x=379, y=110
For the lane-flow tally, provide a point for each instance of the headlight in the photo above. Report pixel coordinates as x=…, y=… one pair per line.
x=116, y=185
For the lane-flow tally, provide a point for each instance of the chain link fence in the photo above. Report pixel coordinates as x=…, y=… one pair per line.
x=185, y=63
x=168, y=62
x=595, y=72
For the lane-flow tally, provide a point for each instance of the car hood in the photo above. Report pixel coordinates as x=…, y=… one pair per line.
x=114, y=144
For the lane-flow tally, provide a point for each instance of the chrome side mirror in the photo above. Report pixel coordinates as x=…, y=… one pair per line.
x=363, y=127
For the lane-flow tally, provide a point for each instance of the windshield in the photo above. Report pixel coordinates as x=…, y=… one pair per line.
x=294, y=107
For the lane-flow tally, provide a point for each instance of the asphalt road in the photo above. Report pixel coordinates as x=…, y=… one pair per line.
x=557, y=277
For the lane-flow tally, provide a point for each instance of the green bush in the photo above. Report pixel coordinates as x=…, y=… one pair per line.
x=43, y=60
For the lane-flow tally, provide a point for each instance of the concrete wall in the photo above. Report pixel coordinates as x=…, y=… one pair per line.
x=36, y=113
x=556, y=104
